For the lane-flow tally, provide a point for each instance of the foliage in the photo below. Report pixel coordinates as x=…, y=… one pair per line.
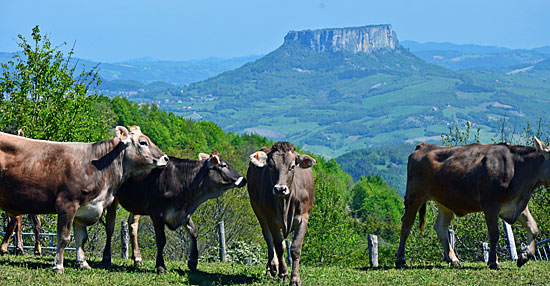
x=41, y=94
x=458, y=137
x=378, y=206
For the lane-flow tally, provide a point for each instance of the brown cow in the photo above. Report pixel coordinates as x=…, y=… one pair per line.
x=496, y=179
x=75, y=180
x=16, y=223
x=280, y=185
x=170, y=196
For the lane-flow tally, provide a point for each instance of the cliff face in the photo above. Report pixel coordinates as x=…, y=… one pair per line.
x=365, y=39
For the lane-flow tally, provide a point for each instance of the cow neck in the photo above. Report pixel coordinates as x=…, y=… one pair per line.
x=189, y=174
x=107, y=151
x=286, y=207
x=530, y=160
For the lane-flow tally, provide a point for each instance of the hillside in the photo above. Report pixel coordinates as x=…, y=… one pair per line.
x=461, y=57
x=337, y=90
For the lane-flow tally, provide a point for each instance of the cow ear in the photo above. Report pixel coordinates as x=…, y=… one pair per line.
x=122, y=134
x=20, y=133
x=258, y=158
x=203, y=156
x=541, y=147
x=305, y=161
x=215, y=159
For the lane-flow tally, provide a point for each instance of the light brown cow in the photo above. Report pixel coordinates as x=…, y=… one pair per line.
x=16, y=223
x=496, y=179
x=75, y=180
x=280, y=185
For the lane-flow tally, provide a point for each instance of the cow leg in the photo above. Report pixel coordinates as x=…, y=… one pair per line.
x=272, y=264
x=441, y=226
x=296, y=251
x=10, y=229
x=491, y=218
x=80, y=236
x=110, y=219
x=279, y=249
x=133, y=224
x=407, y=221
x=65, y=217
x=37, y=228
x=19, y=222
x=532, y=232
x=194, y=252
x=160, y=238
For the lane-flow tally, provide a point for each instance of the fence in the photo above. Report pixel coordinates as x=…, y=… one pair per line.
x=545, y=246
x=51, y=241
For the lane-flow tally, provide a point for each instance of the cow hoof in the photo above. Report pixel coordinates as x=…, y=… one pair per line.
x=58, y=270
x=400, y=264
x=283, y=277
x=494, y=266
x=3, y=252
x=192, y=264
x=161, y=270
x=455, y=264
x=84, y=266
x=296, y=283
x=106, y=263
x=138, y=262
x=19, y=252
x=37, y=253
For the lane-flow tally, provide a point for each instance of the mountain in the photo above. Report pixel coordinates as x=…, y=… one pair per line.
x=462, y=57
x=337, y=90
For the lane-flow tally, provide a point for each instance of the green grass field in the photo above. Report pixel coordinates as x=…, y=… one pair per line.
x=29, y=270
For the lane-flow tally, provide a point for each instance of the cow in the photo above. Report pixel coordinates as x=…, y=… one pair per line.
x=281, y=190
x=496, y=179
x=170, y=196
x=16, y=223
x=77, y=181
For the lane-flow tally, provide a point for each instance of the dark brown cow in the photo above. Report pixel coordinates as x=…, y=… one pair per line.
x=496, y=179
x=16, y=223
x=280, y=185
x=170, y=196
x=75, y=180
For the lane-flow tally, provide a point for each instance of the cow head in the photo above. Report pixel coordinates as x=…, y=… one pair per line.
x=281, y=160
x=545, y=151
x=221, y=175
x=140, y=153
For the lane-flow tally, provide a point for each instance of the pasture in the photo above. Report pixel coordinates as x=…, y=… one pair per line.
x=33, y=270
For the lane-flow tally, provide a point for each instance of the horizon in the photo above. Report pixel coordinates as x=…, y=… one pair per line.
x=172, y=30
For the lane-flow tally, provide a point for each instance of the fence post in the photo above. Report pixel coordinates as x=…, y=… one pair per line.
x=288, y=255
x=485, y=247
x=124, y=238
x=373, y=250
x=452, y=240
x=221, y=237
x=511, y=241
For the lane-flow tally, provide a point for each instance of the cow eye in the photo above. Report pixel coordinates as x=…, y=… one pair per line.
x=143, y=143
x=223, y=165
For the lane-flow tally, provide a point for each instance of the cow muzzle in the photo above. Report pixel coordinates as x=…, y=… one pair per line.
x=281, y=190
x=162, y=161
x=240, y=182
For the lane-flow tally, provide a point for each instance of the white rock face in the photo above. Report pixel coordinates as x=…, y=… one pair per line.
x=365, y=39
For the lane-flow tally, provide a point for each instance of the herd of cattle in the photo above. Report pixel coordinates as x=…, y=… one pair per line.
x=78, y=181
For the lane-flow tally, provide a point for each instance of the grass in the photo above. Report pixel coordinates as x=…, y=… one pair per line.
x=29, y=270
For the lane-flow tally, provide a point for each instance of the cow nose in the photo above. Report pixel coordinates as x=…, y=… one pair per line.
x=240, y=182
x=281, y=190
x=163, y=161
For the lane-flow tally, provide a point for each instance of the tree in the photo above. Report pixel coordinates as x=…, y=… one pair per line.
x=41, y=93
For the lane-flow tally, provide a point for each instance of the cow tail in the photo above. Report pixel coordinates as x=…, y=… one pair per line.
x=422, y=217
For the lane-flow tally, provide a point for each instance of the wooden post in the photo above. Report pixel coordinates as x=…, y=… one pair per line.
x=485, y=247
x=452, y=239
x=221, y=237
x=124, y=238
x=288, y=255
x=511, y=241
x=373, y=250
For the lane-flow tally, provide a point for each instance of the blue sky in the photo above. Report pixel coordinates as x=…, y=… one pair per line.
x=115, y=30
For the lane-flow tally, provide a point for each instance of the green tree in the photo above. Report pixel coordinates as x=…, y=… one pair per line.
x=42, y=93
